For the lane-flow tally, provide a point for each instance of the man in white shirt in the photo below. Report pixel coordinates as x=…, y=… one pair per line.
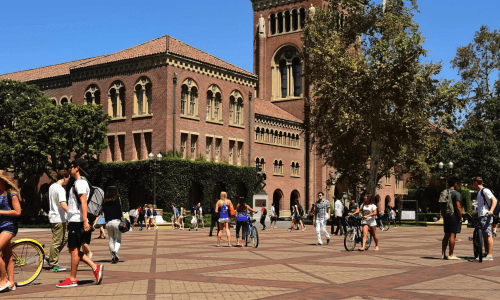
x=132, y=214
x=338, y=210
x=486, y=204
x=274, y=217
x=78, y=224
x=200, y=212
x=321, y=216
x=57, y=218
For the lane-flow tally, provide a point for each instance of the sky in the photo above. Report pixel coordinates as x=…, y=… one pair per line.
x=41, y=33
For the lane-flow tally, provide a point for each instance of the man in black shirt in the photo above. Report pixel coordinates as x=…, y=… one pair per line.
x=452, y=224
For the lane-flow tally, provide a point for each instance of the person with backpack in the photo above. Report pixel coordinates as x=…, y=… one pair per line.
x=300, y=215
x=263, y=216
x=10, y=210
x=152, y=219
x=141, y=217
x=112, y=209
x=452, y=217
x=58, y=218
x=487, y=205
x=338, y=210
x=242, y=210
x=78, y=224
x=225, y=209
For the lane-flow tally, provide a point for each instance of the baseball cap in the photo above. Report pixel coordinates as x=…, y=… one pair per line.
x=82, y=164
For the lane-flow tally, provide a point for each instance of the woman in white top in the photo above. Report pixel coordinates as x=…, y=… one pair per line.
x=369, y=222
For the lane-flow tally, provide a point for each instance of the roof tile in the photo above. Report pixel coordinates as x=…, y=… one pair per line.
x=267, y=108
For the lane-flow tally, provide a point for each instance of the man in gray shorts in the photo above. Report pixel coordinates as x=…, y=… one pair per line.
x=486, y=204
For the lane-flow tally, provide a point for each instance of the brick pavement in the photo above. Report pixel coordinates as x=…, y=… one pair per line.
x=168, y=264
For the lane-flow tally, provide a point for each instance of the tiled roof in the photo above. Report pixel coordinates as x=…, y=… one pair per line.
x=44, y=72
x=266, y=108
x=162, y=44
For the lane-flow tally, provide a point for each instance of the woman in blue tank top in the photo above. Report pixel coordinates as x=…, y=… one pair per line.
x=223, y=208
x=10, y=209
x=241, y=220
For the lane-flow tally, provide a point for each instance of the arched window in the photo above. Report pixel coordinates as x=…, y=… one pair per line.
x=275, y=167
x=143, y=96
x=266, y=137
x=280, y=22
x=295, y=20
x=302, y=15
x=257, y=133
x=275, y=140
x=116, y=100
x=286, y=74
x=272, y=24
x=293, y=168
x=263, y=164
x=214, y=102
x=64, y=100
x=288, y=25
x=236, y=108
x=92, y=95
x=280, y=167
x=189, y=98
x=289, y=139
x=262, y=135
x=281, y=138
x=53, y=101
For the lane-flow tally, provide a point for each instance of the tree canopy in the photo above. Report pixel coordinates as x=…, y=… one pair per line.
x=38, y=137
x=372, y=98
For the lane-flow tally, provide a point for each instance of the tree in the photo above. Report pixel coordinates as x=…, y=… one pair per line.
x=37, y=137
x=372, y=98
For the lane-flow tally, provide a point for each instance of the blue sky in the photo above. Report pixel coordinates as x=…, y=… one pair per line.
x=40, y=33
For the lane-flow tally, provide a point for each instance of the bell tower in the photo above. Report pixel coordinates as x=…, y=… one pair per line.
x=278, y=28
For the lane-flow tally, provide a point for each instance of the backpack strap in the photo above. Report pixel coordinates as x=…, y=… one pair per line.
x=486, y=200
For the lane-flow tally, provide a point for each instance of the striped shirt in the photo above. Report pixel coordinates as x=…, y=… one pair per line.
x=322, y=209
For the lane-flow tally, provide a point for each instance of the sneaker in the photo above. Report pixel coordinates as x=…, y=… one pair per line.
x=444, y=257
x=489, y=257
x=328, y=241
x=113, y=257
x=140, y=229
x=67, y=283
x=46, y=260
x=58, y=268
x=318, y=244
x=98, y=274
x=453, y=257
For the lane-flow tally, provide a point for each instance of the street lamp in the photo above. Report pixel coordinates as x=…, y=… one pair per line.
x=448, y=170
x=155, y=167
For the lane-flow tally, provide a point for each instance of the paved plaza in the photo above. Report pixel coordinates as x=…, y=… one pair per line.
x=173, y=264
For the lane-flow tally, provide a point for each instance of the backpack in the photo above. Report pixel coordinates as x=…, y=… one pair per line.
x=154, y=213
x=488, y=203
x=46, y=201
x=445, y=203
x=301, y=211
x=94, y=200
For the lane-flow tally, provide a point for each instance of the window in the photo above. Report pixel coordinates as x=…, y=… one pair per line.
x=295, y=169
x=64, y=100
x=263, y=164
x=288, y=25
x=208, y=149
x=121, y=144
x=302, y=15
x=53, y=101
x=148, y=140
x=236, y=108
x=184, y=137
x=137, y=144
x=295, y=20
x=231, y=152
x=272, y=24
x=218, y=143
x=388, y=178
x=239, y=157
x=116, y=103
x=92, y=95
x=194, y=141
x=278, y=167
x=214, y=101
x=189, y=98
x=111, y=147
x=286, y=73
x=257, y=133
x=143, y=96
x=280, y=22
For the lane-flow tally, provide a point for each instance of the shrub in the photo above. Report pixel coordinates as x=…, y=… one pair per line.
x=466, y=199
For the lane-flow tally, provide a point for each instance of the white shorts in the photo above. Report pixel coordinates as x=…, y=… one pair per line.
x=225, y=220
x=371, y=222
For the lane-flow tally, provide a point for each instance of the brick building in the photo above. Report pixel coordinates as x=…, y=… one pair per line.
x=164, y=95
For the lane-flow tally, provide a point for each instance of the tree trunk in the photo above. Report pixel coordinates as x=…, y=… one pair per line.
x=374, y=159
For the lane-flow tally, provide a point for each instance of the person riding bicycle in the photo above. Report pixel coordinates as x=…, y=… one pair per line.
x=241, y=220
x=486, y=204
x=10, y=209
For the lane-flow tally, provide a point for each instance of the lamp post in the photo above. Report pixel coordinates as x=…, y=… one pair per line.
x=155, y=167
x=449, y=169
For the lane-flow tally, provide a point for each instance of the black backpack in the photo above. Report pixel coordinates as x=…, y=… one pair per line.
x=301, y=211
x=46, y=201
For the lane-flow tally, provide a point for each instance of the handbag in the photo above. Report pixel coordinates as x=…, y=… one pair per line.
x=231, y=210
x=124, y=225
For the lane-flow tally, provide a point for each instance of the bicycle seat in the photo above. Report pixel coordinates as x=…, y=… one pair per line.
x=253, y=221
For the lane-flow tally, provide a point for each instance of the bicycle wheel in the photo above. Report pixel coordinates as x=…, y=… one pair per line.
x=480, y=246
x=28, y=261
x=368, y=240
x=475, y=242
x=350, y=240
x=255, y=237
x=385, y=224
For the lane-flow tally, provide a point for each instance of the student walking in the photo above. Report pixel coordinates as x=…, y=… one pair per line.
x=182, y=216
x=263, y=216
x=338, y=211
x=486, y=204
x=274, y=217
x=112, y=209
x=175, y=216
x=200, y=216
x=369, y=210
x=141, y=217
x=132, y=216
x=79, y=225
x=152, y=219
x=58, y=218
x=451, y=224
x=223, y=207
x=321, y=216
x=10, y=209
x=149, y=213
x=241, y=220
x=102, y=227
x=215, y=219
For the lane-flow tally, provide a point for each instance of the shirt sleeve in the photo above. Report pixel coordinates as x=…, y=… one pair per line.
x=488, y=194
x=81, y=187
x=61, y=194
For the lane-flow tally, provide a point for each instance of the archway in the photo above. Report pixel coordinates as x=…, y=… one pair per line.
x=195, y=195
x=277, y=198
x=241, y=190
x=294, y=195
x=388, y=201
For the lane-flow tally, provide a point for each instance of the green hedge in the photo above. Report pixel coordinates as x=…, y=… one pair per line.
x=174, y=183
x=466, y=200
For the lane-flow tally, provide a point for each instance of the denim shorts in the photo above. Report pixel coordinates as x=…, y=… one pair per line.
x=12, y=229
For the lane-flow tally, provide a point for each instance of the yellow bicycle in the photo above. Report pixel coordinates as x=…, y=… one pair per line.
x=28, y=256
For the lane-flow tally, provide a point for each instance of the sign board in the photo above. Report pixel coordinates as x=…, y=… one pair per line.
x=258, y=201
x=408, y=215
